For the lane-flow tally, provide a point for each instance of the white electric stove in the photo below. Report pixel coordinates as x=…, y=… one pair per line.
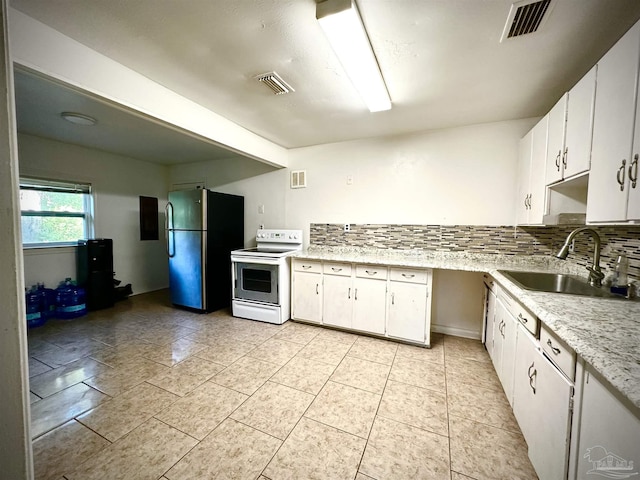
x=261, y=276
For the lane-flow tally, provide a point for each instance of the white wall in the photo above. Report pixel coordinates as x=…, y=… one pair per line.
x=117, y=182
x=457, y=303
x=16, y=459
x=463, y=175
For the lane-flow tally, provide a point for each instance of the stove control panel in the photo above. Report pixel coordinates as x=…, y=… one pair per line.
x=279, y=236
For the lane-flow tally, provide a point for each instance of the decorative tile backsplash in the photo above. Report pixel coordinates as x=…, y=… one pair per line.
x=507, y=240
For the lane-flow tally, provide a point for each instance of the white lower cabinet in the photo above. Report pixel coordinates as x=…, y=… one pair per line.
x=409, y=302
x=489, y=313
x=504, y=346
x=608, y=437
x=369, y=304
x=386, y=301
x=337, y=303
x=542, y=406
x=306, y=298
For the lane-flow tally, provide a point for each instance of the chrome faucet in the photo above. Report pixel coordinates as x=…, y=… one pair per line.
x=595, y=273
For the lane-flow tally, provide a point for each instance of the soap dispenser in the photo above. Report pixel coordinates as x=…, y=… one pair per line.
x=620, y=282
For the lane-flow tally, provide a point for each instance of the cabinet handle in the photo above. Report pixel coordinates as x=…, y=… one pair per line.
x=531, y=377
x=317, y=289
x=371, y=272
x=564, y=157
x=523, y=319
x=356, y=294
x=621, y=171
x=558, y=160
x=633, y=171
x=306, y=267
x=555, y=350
x=525, y=201
x=393, y=299
x=336, y=269
x=349, y=294
x=406, y=275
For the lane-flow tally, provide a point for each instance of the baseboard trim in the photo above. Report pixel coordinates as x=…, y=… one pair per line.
x=456, y=332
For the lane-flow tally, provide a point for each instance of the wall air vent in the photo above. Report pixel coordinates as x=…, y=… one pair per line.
x=275, y=83
x=299, y=179
x=526, y=17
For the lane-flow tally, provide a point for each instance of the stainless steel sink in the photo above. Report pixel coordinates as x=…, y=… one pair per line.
x=556, y=283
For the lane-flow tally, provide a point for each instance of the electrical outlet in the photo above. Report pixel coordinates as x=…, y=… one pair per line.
x=347, y=227
x=572, y=247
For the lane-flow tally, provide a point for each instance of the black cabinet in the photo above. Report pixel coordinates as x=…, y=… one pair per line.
x=94, y=264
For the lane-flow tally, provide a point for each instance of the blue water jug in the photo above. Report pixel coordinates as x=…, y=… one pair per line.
x=34, y=313
x=70, y=300
x=47, y=301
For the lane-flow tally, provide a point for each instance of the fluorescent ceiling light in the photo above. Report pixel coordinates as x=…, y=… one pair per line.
x=78, y=118
x=343, y=26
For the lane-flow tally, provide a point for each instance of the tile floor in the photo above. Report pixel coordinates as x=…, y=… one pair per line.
x=146, y=391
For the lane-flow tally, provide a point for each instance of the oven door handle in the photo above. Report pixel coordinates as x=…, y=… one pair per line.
x=255, y=260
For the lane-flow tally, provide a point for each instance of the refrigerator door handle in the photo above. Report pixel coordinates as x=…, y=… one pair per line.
x=166, y=226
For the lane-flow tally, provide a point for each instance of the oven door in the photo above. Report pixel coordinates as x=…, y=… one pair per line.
x=256, y=281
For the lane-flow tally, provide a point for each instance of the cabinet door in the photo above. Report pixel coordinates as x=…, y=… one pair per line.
x=609, y=432
x=613, y=119
x=577, y=150
x=369, y=305
x=542, y=398
x=407, y=317
x=498, y=336
x=633, y=205
x=307, y=297
x=537, y=184
x=489, y=318
x=337, y=303
x=507, y=368
x=524, y=383
x=524, y=166
x=556, y=140
x=549, y=441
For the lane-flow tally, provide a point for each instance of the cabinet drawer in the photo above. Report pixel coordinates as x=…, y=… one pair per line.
x=371, y=271
x=332, y=268
x=519, y=312
x=307, y=266
x=558, y=351
x=410, y=275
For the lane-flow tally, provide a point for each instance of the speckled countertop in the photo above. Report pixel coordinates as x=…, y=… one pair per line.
x=604, y=332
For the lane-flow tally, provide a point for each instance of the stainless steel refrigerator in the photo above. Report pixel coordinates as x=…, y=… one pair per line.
x=202, y=228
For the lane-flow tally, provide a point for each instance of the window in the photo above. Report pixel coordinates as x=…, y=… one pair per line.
x=55, y=213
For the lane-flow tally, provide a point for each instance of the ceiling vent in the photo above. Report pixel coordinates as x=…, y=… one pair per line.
x=526, y=17
x=275, y=83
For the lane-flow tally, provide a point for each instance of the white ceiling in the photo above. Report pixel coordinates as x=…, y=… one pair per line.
x=39, y=102
x=441, y=59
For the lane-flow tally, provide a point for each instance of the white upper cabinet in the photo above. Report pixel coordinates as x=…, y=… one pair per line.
x=531, y=197
x=524, y=165
x=612, y=160
x=579, y=129
x=556, y=129
x=570, y=130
